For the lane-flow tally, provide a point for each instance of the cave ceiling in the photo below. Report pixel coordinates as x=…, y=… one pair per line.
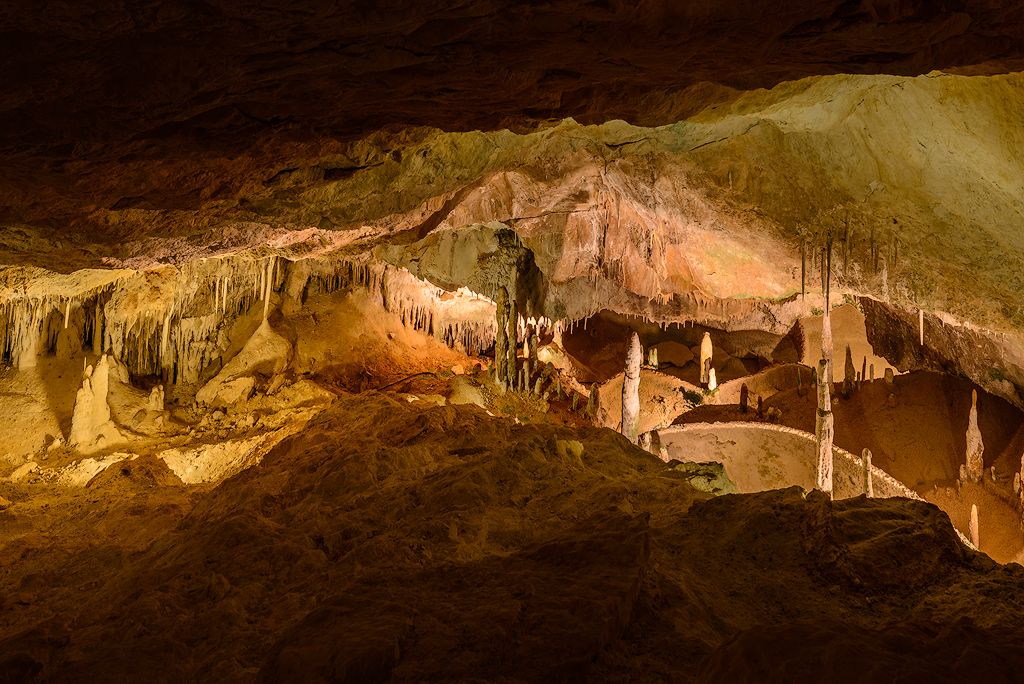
x=169, y=106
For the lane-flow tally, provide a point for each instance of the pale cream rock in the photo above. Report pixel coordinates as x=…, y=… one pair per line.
x=23, y=471
x=234, y=392
x=266, y=353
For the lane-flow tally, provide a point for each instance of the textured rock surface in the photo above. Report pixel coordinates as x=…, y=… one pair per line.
x=359, y=547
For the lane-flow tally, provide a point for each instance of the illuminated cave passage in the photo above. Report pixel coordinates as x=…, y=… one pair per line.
x=519, y=342
x=598, y=345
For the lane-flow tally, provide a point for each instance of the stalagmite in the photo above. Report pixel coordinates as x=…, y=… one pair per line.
x=1016, y=484
x=849, y=373
x=826, y=341
x=512, y=331
x=871, y=372
x=652, y=358
x=889, y=377
x=920, y=324
x=869, y=486
x=824, y=430
x=975, y=445
x=760, y=407
x=533, y=342
x=91, y=426
x=973, y=527
x=745, y=397
x=594, y=401
x=501, y=340
x=863, y=370
x=268, y=286
x=631, y=390
x=706, y=352
x=712, y=380
x=156, y=399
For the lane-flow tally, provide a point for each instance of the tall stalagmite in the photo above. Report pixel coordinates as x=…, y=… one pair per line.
x=501, y=339
x=975, y=445
x=512, y=331
x=631, y=390
x=824, y=429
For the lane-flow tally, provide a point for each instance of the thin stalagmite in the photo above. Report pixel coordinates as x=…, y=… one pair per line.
x=824, y=430
x=631, y=390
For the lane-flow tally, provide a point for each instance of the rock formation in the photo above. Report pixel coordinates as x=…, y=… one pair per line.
x=266, y=353
x=975, y=444
x=631, y=390
x=91, y=427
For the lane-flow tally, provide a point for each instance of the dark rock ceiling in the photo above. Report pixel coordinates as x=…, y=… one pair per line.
x=100, y=97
